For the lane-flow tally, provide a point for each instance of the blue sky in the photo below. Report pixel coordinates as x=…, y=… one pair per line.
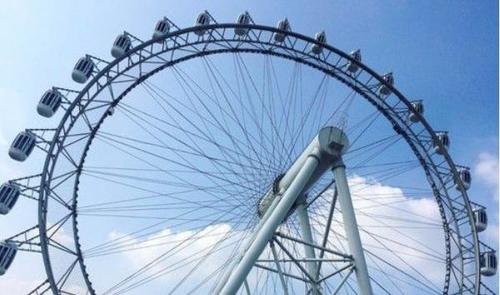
x=444, y=52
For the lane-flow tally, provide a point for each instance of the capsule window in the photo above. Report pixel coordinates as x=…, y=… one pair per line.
x=202, y=19
x=49, y=103
x=356, y=55
x=488, y=259
x=24, y=142
x=284, y=25
x=122, y=41
x=482, y=217
x=321, y=38
x=466, y=176
x=161, y=26
x=9, y=259
x=9, y=195
x=493, y=261
x=418, y=106
x=13, y=199
x=81, y=65
x=389, y=79
x=55, y=104
x=51, y=99
x=85, y=66
x=7, y=253
x=47, y=98
x=17, y=141
x=445, y=140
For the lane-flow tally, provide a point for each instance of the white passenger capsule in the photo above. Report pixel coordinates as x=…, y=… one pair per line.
x=121, y=45
x=480, y=219
x=49, y=103
x=9, y=194
x=22, y=146
x=162, y=28
x=442, y=137
x=465, y=177
x=243, y=19
x=83, y=70
x=320, y=38
x=352, y=66
x=419, y=109
x=283, y=25
x=389, y=79
x=202, y=20
x=8, y=250
x=488, y=263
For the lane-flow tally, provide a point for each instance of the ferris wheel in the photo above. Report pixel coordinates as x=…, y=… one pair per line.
x=238, y=158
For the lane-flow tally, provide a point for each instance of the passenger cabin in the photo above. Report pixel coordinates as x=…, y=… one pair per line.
x=243, y=19
x=352, y=66
x=8, y=250
x=22, y=146
x=121, y=46
x=465, y=177
x=9, y=193
x=488, y=263
x=419, y=110
x=202, y=20
x=83, y=70
x=283, y=25
x=320, y=38
x=383, y=89
x=480, y=219
x=162, y=28
x=442, y=137
x=49, y=103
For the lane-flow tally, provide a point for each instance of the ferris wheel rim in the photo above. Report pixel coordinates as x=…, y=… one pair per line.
x=43, y=201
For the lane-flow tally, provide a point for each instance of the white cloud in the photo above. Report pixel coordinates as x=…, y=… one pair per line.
x=382, y=210
x=394, y=228
x=486, y=170
x=178, y=253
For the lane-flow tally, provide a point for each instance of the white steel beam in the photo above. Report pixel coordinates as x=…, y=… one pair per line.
x=305, y=228
x=351, y=229
x=267, y=230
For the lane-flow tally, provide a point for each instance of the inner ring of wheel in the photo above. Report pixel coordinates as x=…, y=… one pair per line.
x=293, y=54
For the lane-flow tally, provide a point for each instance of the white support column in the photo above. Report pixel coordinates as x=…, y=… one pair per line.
x=305, y=228
x=261, y=238
x=351, y=229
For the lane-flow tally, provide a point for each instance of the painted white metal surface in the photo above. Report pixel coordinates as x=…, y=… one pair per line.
x=351, y=229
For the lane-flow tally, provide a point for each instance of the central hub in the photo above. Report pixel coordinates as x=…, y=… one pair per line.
x=327, y=147
x=267, y=199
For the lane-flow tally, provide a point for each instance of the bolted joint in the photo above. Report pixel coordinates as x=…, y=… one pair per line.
x=339, y=163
